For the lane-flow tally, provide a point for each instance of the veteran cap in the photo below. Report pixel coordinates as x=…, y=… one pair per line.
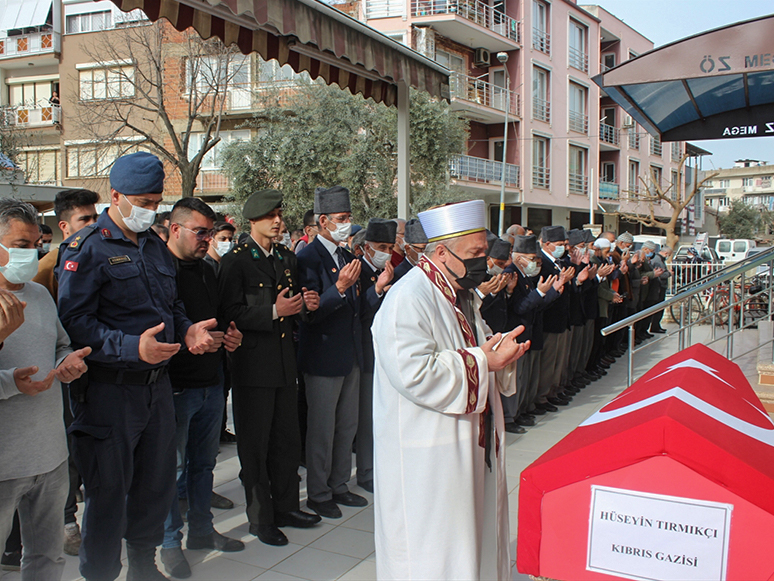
x=500, y=249
x=525, y=244
x=331, y=200
x=553, y=234
x=261, y=203
x=380, y=230
x=414, y=233
x=575, y=237
x=137, y=173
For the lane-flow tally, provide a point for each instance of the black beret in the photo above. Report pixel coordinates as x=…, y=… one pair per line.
x=380, y=230
x=553, y=234
x=137, y=173
x=331, y=200
x=525, y=244
x=261, y=203
x=575, y=237
x=500, y=249
x=414, y=233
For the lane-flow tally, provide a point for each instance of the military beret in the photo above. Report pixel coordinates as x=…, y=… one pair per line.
x=500, y=249
x=525, y=244
x=414, y=233
x=625, y=237
x=553, y=234
x=261, y=203
x=355, y=229
x=380, y=230
x=331, y=200
x=575, y=237
x=137, y=173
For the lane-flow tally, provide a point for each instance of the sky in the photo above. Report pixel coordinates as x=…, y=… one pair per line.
x=665, y=21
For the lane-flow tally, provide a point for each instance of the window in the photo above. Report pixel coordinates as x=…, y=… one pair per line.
x=579, y=121
x=723, y=245
x=132, y=18
x=107, y=83
x=578, y=178
x=608, y=61
x=541, y=107
x=740, y=246
x=675, y=184
x=632, y=54
x=634, y=137
x=94, y=160
x=398, y=36
x=675, y=151
x=634, y=177
x=578, y=55
x=211, y=159
x=724, y=183
x=656, y=175
x=384, y=8
x=215, y=73
x=608, y=172
x=748, y=182
x=31, y=95
x=541, y=39
x=541, y=173
x=89, y=22
x=40, y=166
x=655, y=146
x=451, y=61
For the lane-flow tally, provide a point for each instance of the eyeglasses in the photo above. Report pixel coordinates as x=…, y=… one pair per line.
x=201, y=234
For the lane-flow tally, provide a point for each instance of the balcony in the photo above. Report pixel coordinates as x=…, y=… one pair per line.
x=578, y=183
x=31, y=44
x=609, y=137
x=470, y=22
x=31, y=116
x=578, y=59
x=541, y=177
x=634, y=139
x=675, y=151
x=541, y=41
x=211, y=181
x=655, y=146
x=483, y=171
x=579, y=122
x=608, y=191
x=541, y=109
x=482, y=101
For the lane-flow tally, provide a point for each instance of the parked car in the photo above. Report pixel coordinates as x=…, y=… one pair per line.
x=734, y=250
x=707, y=255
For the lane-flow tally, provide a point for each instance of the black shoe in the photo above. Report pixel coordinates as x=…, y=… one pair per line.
x=572, y=390
x=608, y=359
x=580, y=382
x=547, y=407
x=557, y=401
x=594, y=376
x=525, y=420
x=659, y=331
x=216, y=542
x=537, y=411
x=221, y=502
x=227, y=437
x=603, y=365
x=514, y=428
x=175, y=563
x=327, y=508
x=568, y=395
x=601, y=371
x=647, y=335
x=367, y=486
x=296, y=519
x=142, y=565
x=11, y=561
x=349, y=499
x=269, y=534
x=638, y=341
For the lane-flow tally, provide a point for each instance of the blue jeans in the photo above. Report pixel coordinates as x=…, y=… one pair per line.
x=199, y=413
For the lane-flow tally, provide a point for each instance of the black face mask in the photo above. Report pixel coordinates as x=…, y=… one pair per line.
x=475, y=271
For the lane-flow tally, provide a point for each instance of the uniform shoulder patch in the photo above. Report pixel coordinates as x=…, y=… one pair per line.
x=81, y=236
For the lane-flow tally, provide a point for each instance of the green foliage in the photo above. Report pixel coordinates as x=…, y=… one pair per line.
x=741, y=221
x=319, y=136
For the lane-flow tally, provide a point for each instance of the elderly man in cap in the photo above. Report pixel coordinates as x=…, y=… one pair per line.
x=438, y=424
x=330, y=353
x=605, y=297
x=117, y=294
x=414, y=245
x=494, y=307
x=662, y=274
x=260, y=292
x=376, y=274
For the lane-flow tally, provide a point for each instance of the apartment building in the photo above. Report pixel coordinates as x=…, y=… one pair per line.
x=750, y=180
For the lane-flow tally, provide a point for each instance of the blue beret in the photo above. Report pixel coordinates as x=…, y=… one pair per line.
x=137, y=173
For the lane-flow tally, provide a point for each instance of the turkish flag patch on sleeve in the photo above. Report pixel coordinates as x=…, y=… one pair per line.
x=71, y=265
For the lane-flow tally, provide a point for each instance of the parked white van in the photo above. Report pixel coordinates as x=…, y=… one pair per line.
x=733, y=250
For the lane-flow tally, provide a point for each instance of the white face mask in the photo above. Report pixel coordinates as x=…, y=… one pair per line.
x=379, y=259
x=286, y=239
x=22, y=265
x=531, y=269
x=46, y=247
x=139, y=219
x=223, y=246
x=495, y=270
x=341, y=233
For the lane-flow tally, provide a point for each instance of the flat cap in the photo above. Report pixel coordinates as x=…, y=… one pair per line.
x=261, y=203
x=137, y=173
x=414, y=233
x=553, y=234
x=576, y=236
x=525, y=244
x=331, y=200
x=625, y=237
x=500, y=249
x=380, y=230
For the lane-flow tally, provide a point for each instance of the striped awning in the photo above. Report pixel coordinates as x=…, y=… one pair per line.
x=310, y=36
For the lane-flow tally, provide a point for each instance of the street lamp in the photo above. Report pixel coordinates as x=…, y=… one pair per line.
x=503, y=58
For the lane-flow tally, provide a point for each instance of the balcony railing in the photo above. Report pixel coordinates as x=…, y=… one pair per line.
x=212, y=180
x=579, y=122
x=579, y=59
x=676, y=151
x=473, y=10
x=655, y=146
x=486, y=171
x=385, y=8
x=541, y=109
x=541, y=40
x=579, y=183
x=484, y=93
x=609, y=134
x=29, y=44
x=634, y=139
x=31, y=116
x=541, y=177
x=608, y=191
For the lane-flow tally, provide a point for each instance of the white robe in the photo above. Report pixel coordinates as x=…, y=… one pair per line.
x=440, y=513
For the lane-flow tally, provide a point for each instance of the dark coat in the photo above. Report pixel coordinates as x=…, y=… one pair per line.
x=525, y=307
x=368, y=286
x=401, y=270
x=556, y=318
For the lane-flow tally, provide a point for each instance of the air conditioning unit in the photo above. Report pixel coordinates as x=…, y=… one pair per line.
x=482, y=58
x=628, y=122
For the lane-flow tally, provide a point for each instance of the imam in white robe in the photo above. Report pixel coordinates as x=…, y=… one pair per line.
x=440, y=512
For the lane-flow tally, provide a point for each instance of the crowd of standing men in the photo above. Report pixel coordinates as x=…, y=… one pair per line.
x=146, y=335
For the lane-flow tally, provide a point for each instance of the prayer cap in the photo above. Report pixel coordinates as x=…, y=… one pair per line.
x=649, y=245
x=625, y=237
x=452, y=220
x=414, y=233
x=261, y=203
x=137, y=173
x=331, y=200
x=602, y=243
x=525, y=244
x=553, y=234
x=380, y=230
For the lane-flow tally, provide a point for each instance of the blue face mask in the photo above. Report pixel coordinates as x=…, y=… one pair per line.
x=649, y=254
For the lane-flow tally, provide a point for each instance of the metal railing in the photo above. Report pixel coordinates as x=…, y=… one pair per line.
x=541, y=40
x=655, y=146
x=212, y=180
x=728, y=299
x=29, y=44
x=579, y=122
x=634, y=139
x=384, y=8
x=487, y=171
x=473, y=10
x=608, y=191
x=31, y=116
x=483, y=93
x=578, y=59
x=609, y=134
x=541, y=177
x=579, y=183
x=541, y=109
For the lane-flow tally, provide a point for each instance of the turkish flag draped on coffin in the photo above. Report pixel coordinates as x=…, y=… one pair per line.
x=689, y=432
